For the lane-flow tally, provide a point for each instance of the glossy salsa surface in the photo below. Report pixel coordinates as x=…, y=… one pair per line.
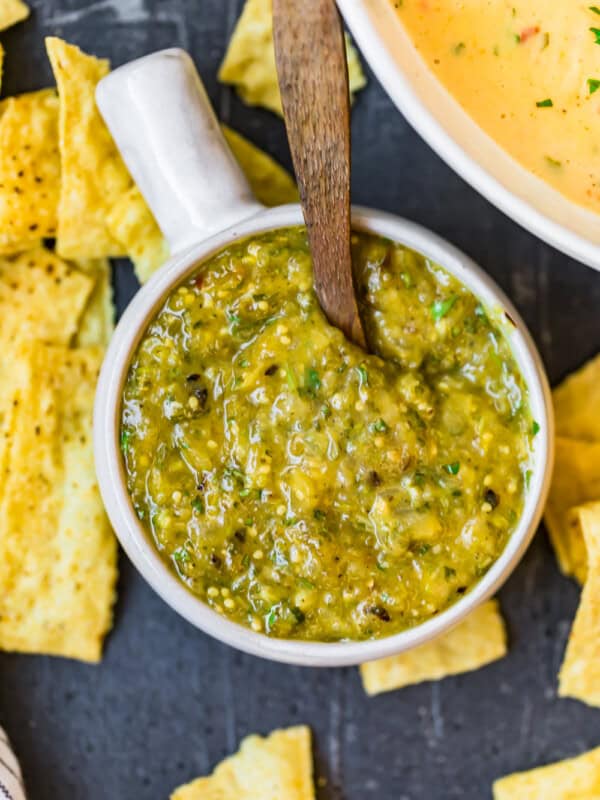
x=528, y=72
x=302, y=487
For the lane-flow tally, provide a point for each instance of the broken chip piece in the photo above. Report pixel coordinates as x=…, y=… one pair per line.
x=576, y=480
x=41, y=297
x=475, y=642
x=272, y=768
x=29, y=169
x=131, y=223
x=580, y=672
x=97, y=322
x=249, y=63
x=94, y=176
x=269, y=181
x=58, y=571
x=11, y=12
x=577, y=778
x=576, y=402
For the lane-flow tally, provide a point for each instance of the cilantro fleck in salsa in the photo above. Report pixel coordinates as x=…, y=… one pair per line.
x=302, y=487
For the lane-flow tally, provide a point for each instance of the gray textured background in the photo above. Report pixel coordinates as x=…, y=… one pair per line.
x=167, y=703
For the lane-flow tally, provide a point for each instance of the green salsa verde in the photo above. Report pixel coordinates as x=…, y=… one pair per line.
x=302, y=487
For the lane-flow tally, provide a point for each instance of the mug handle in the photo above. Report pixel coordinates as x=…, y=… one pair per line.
x=163, y=123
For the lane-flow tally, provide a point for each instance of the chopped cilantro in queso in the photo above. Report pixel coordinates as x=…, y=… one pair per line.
x=302, y=487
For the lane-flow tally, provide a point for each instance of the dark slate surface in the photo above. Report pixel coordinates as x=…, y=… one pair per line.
x=168, y=703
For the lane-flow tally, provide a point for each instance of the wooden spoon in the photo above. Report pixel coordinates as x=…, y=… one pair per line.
x=313, y=77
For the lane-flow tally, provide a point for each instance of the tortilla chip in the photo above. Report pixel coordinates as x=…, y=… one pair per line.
x=41, y=297
x=15, y=248
x=580, y=673
x=57, y=551
x=249, y=63
x=11, y=372
x=93, y=174
x=11, y=12
x=576, y=480
x=1, y=64
x=272, y=768
x=29, y=168
x=271, y=183
x=98, y=320
x=131, y=223
x=477, y=641
x=574, y=779
x=576, y=403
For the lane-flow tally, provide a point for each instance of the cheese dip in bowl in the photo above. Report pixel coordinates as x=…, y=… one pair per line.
x=529, y=74
x=507, y=93
x=283, y=490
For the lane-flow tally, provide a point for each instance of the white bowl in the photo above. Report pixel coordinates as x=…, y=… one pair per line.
x=179, y=124
x=454, y=136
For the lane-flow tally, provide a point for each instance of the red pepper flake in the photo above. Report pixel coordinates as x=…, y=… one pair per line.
x=527, y=33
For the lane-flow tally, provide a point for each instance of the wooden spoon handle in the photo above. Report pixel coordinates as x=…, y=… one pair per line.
x=313, y=77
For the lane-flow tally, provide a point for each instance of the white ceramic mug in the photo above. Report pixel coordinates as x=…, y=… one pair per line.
x=171, y=141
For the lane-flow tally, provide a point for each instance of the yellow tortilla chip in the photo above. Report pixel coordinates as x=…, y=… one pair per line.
x=576, y=403
x=11, y=12
x=271, y=183
x=278, y=767
x=93, y=174
x=15, y=248
x=580, y=673
x=57, y=551
x=131, y=223
x=41, y=297
x=98, y=319
x=573, y=779
x=249, y=63
x=477, y=641
x=29, y=168
x=576, y=480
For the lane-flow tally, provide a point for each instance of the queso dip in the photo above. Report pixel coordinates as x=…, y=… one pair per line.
x=528, y=72
x=303, y=487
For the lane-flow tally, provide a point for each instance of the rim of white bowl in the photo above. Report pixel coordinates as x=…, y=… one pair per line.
x=360, y=22
x=137, y=542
